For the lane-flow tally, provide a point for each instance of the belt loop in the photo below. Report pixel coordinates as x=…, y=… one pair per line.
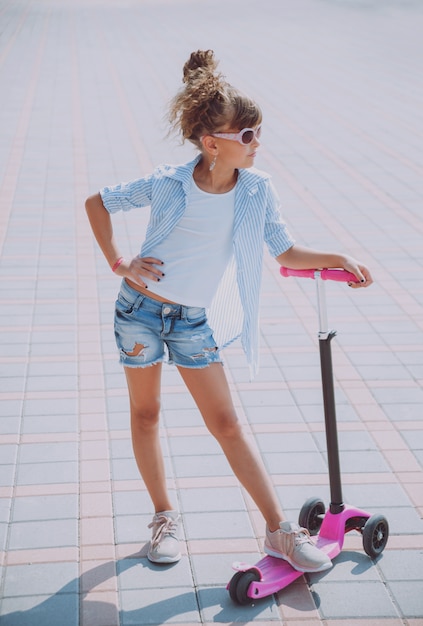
x=138, y=302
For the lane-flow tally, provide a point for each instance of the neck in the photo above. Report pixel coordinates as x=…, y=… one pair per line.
x=219, y=180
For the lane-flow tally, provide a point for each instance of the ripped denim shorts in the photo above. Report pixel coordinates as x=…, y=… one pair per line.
x=145, y=329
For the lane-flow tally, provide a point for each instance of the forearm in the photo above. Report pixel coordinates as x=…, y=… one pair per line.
x=301, y=258
x=102, y=228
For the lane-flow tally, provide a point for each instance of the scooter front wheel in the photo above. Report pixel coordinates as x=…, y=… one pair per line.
x=375, y=535
x=311, y=515
x=239, y=585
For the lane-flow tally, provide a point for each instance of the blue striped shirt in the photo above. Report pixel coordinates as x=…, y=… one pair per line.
x=234, y=311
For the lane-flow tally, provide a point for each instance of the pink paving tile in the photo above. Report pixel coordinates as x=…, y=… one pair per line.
x=95, y=487
x=96, y=505
x=93, y=449
x=386, y=621
x=98, y=552
x=389, y=440
x=401, y=460
x=222, y=546
x=45, y=555
x=98, y=575
x=46, y=490
x=97, y=530
x=93, y=470
x=296, y=601
x=100, y=608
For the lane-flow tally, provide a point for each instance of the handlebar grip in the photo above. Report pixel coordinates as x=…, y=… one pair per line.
x=326, y=274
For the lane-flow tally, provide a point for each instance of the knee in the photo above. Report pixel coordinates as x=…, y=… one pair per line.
x=226, y=427
x=146, y=417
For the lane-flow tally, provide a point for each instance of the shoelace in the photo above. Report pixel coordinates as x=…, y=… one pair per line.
x=302, y=536
x=167, y=526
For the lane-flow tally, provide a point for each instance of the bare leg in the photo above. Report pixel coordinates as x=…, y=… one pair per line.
x=210, y=390
x=144, y=395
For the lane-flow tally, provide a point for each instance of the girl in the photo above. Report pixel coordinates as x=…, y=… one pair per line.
x=203, y=252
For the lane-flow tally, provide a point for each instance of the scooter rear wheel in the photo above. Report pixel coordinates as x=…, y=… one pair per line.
x=239, y=585
x=311, y=515
x=375, y=535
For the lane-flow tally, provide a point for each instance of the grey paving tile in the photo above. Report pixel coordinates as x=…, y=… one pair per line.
x=7, y=475
x=216, y=569
x=133, y=502
x=45, y=406
x=39, y=424
x=364, y=461
x=307, y=396
x=414, y=439
x=48, y=452
x=398, y=395
x=218, y=525
x=350, y=599
x=43, y=534
x=118, y=421
x=8, y=453
x=376, y=494
x=124, y=469
x=383, y=372
x=273, y=414
x=4, y=529
x=209, y=465
x=212, y=499
x=41, y=609
x=402, y=520
x=49, y=383
x=154, y=607
x=141, y=574
x=216, y=607
x=295, y=463
x=409, y=597
x=133, y=528
x=276, y=397
x=411, y=412
x=183, y=446
x=47, y=473
x=180, y=418
x=41, y=578
x=404, y=565
x=286, y=442
x=10, y=425
x=313, y=413
x=348, y=441
x=42, y=507
x=349, y=566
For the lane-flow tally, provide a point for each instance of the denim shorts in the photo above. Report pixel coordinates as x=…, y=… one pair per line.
x=147, y=331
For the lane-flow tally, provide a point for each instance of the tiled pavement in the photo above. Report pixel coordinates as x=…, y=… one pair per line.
x=83, y=85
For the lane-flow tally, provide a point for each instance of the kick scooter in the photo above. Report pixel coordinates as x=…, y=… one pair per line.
x=327, y=529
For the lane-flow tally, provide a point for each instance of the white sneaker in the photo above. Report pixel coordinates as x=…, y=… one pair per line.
x=164, y=544
x=293, y=544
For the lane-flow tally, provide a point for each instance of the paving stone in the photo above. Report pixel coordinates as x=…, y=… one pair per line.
x=84, y=88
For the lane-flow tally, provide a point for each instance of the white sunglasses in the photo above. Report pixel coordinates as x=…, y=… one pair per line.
x=244, y=136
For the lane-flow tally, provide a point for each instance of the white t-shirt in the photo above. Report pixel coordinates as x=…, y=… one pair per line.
x=198, y=249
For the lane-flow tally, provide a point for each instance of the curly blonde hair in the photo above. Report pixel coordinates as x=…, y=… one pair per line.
x=207, y=102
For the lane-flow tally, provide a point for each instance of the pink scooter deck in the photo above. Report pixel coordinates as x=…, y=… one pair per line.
x=276, y=574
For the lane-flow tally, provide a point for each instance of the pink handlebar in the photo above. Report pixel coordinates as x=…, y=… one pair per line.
x=339, y=275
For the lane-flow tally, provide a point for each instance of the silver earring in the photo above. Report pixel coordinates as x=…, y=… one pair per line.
x=213, y=163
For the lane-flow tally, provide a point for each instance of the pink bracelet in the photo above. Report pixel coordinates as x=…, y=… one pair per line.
x=118, y=262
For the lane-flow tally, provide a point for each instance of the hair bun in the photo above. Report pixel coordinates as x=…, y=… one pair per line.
x=200, y=63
